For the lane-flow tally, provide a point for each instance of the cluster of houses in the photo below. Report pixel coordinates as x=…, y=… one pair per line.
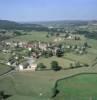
x=38, y=46
x=63, y=37
x=78, y=49
x=26, y=65
x=53, y=47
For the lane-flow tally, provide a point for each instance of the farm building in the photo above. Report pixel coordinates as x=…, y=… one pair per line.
x=27, y=67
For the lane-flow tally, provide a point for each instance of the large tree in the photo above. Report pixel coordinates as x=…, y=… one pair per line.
x=55, y=66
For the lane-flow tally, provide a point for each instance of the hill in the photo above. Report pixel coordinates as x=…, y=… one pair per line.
x=64, y=23
x=5, y=24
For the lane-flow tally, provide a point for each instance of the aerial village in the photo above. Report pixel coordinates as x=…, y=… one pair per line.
x=24, y=55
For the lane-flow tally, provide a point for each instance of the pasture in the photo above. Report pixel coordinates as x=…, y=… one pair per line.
x=80, y=87
x=85, y=59
x=36, y=85
x=34, y=35
x=64, y=63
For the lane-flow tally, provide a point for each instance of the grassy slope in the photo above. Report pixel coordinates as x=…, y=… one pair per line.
x=31, y=84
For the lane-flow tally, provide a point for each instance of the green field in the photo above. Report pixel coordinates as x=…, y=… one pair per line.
x=39, y=36
x=93, y=43
x=38, y=85
x=81, y=87
x=30, y=84
x=64, y=63
x=86, y=58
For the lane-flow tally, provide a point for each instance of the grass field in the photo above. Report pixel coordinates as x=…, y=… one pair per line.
x=81, y=87
x=92, y=43
x=31, y=84
x=38, y=85
x=64, y=63
x=39, y=36
x=86, y=58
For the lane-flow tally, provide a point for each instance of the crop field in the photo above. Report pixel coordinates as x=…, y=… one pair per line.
x=81, y=87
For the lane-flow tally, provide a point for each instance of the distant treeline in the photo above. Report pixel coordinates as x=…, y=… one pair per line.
x=4, y=37
x=9, y=25
x=91, y=35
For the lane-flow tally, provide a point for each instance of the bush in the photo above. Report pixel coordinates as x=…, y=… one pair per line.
x=41, y=66
x=86, y=65
x=55, y=66
x=77, y=64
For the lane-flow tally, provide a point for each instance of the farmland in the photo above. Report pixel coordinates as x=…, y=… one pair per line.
x=87, y=58
x=34, y=35
x=81, y=87
x=77, y=56
x=64, y=63
x=31, y=84
x=38, y=85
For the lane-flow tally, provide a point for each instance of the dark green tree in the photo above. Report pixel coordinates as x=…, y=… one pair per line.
x=17, y=33
x=55, y=66
x=41, y=66
x=71, y=65
x=86, y=44
x=59, y=53
x=77, y=64
x=1, y=95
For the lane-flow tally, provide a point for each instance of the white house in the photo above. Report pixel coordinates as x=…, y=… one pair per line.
x=8, y=63
x=20, y=67
x=31, y=67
